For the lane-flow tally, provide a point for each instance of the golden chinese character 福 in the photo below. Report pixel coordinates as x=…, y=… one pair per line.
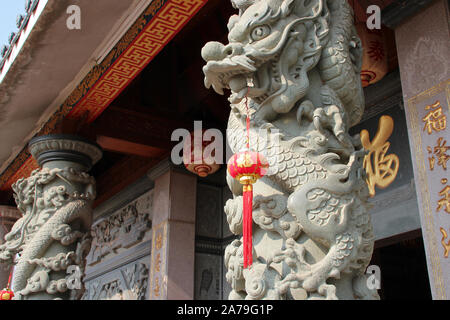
x=435, y=118
x=381, y=169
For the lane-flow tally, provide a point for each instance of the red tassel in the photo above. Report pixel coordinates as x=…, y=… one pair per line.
x=247, y=225
x=8, y=286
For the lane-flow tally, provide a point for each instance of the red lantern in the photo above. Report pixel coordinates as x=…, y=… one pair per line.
x=196, y=161
x=247, y=167
x=6, y=294
x=375, y=61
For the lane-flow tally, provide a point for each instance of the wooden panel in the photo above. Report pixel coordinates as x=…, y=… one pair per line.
x=128, y=147
x=138, y=127
x=125, y=172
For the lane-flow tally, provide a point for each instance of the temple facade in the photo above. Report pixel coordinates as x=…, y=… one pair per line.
x=98, y=198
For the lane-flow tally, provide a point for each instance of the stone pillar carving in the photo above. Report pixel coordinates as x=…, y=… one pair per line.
x=53, y=232
x=423, y=57
x=173, y=238
x=299, y=63
x=8, y=216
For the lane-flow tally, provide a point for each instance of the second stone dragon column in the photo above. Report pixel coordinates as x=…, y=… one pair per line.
x=50, y=242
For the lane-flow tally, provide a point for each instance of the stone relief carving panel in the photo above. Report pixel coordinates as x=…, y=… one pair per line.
x=424, y=75
x=121, y=237
x=121, y=230
x=129, y=282
x=209, y=209
x=208, y=277
x=424, y=58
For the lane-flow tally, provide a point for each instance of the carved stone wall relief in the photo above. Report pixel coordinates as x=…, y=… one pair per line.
x=129, y=282
x=208, y=276
x=118, y=238
x=121, y=230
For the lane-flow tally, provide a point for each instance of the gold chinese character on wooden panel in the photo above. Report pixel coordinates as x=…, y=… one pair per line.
x=439, y=153
x=435, y=120
x=158, y=262
x=156, y=288
x=381, y=169
x=159, y=240
x=444, y=202
x=445, y=245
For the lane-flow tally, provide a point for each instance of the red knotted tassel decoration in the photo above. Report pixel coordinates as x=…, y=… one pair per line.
x=247, y=224
x=247, y=167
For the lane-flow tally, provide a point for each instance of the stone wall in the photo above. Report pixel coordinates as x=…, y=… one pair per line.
x=212, y=236
x=118, y=263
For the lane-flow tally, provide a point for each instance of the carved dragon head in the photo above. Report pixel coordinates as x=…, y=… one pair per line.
x=272, y=45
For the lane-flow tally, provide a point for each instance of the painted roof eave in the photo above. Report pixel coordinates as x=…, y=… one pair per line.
x=137, y=37
x=38, y=72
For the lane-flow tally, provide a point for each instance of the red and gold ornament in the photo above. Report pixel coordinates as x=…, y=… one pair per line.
x=247, y=167
x=7, y=294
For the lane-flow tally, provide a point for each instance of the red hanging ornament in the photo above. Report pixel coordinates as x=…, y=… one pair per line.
x=7, y=294
x=247, y=167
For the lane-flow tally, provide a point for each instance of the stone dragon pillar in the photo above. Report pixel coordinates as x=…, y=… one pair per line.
x=296, y=65
x=52, y=237
x=8, y=216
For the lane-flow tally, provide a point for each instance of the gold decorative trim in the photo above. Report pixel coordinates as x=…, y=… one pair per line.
x=158, y=276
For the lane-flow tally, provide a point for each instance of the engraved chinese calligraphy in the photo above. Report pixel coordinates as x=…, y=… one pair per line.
x=158, y=262
x=445, y=245
x=435, y=120
x=444, y=203
x=439, y=153
x=435, y=124
x=381, y=169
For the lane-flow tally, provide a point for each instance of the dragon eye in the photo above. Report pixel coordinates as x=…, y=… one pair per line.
x=260, y=32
